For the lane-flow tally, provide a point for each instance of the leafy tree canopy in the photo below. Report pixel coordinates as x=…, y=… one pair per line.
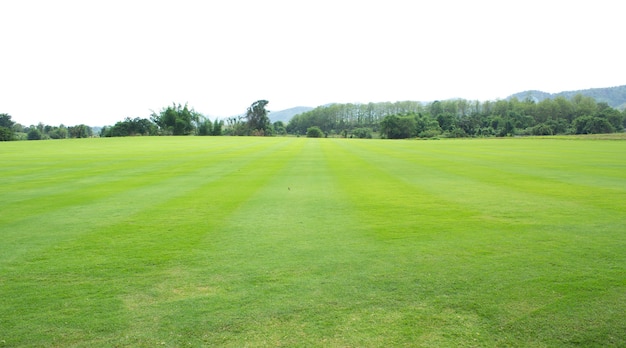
x=314, y=132
x=257, y=120
x=6, y=127
x=176, y=120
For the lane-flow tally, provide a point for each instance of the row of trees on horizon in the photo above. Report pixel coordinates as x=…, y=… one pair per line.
x=463, y=118
x=407, y=119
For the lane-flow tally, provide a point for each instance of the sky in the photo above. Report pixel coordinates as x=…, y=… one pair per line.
x=98, y=62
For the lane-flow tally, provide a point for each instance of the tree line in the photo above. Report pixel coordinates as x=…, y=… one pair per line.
x=10, y=130
x=406, y=119
x=175, y=119
x=463, y=118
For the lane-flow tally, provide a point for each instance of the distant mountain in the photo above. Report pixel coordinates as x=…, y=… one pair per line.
x=286, y=115
x=614, y=96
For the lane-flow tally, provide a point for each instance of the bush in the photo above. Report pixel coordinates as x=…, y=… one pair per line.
x=455, y=133
x=592, y=125
x=34, y=134
x=542, y=129
x=398, y=127
x=314, y=132
x=429, y=133
x=362, y=133
x=6, y=134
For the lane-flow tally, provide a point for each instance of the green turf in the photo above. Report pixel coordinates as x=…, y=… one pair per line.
x=242, y=241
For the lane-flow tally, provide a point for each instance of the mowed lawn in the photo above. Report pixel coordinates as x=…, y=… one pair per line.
x=243, y=241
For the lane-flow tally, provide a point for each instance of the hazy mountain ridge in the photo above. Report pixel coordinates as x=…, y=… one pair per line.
x=287, y=114
x=613, y=96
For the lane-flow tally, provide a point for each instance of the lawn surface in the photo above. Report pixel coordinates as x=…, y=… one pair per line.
x=227, y=241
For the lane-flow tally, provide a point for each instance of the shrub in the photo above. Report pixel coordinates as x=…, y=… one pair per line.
x=429, y=133
x=362, y=133
x=6, y=134
x=592, y=125
x=314, y=132
x=456, y=133
x=542, y=129
x=34, y=134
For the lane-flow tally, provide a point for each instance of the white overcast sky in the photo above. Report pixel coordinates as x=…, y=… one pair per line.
x=97, y=62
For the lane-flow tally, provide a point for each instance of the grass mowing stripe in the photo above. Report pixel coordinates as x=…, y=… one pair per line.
x=140, y=243
x=536, y=192
x=99, y=175
x=277, y=248
x=538, y=249
x=320, y=242
x=85, y=208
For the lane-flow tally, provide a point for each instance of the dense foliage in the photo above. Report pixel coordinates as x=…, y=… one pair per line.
x=314, y=132
x=10, y=130
x=337, y=118
x=136, y=126
x=176, y=120
x=6, y=127
x=464, y=118
x=255, y=121
x=456, y=118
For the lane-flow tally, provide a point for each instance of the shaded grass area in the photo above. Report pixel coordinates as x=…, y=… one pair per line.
x=313, y=242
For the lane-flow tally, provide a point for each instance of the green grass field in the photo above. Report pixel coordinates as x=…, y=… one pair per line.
x=225, y=241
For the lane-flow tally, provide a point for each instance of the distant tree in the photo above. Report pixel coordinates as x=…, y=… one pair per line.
x=398, y=127
x=205, y=126
x=59, y=132
x=507, y=128
x=80, y=131
x=217, y=127
x=258, y=122
x=314, y=132
x=6, y=127
x=584, y=105
x=105, y=131
x=470, y=124
x=362, y=133
x=235, y=126
x=6, y=134
x=18, y=128
x=143, y=126
x=5, y=121
x=456, y=133
x=592, y=125
x=436, y=108
x=542, y=129
x=615, y=118
x=447, y=121
x=279, y=128
x=34, y=134
x=176, y=120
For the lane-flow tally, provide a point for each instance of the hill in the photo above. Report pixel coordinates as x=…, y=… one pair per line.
x=286, y=115
x=614, y=96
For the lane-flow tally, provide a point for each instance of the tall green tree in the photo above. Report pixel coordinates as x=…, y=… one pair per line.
x=80, y=131
x=257, y=120
x=592, y=125
x=34, y=134
x=129, y=127
x=279, y=128
x=205, y=126
x=398, y=127
x=217, y=127
x=235, y=125
x=6, y=127
x=176, y=120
